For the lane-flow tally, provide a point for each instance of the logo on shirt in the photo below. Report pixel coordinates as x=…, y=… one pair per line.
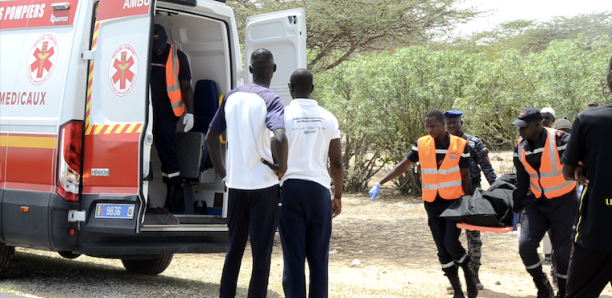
x=123, y=70
x=453, y=155
x=42, y=59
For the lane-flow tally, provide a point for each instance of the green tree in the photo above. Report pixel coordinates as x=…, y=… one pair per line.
x=531, y=36
x=339, y=29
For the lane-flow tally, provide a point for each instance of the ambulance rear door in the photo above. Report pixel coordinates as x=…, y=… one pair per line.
x=284, y=34
x=117, y=139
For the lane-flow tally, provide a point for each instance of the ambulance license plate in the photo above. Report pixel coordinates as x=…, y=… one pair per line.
x=120, y=211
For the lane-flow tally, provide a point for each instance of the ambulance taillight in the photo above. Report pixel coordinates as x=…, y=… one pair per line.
x=69, y=160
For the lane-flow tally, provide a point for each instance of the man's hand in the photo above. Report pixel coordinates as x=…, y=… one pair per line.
x=336, y=207
x=517, y=206
x=374, y=191
x=188, y=121
x=274, y=167
x=579, y=174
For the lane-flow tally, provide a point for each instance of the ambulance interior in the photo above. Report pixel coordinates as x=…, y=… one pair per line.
x=205, y=42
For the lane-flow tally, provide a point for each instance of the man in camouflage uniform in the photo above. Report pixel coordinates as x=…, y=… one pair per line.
x=479, y=161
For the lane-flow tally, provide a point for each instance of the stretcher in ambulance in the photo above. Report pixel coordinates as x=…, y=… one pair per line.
x=78, y=170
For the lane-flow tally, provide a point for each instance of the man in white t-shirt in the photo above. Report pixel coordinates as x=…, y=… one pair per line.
x=248, y=114
x=306, y=220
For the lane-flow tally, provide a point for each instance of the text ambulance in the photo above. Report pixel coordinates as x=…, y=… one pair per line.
x=78, y=172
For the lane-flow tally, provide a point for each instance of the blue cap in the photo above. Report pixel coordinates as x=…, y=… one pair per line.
x=452, y=114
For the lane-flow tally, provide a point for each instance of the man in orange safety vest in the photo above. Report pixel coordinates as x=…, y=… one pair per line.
x=445, y=175
x=172, y=98
x=544, y=199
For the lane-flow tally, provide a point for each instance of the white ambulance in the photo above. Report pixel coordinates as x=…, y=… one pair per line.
x=78, y=172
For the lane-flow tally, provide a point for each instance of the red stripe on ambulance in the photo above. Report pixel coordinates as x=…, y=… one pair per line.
x=28, y=161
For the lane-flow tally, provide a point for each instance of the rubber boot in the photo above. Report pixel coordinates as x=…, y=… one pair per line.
x=456, y=285
x=545, y=290
x=479, y=285
x=470, y=281
x=170, y=195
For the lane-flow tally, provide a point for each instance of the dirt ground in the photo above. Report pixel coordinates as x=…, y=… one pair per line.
x=389, y=237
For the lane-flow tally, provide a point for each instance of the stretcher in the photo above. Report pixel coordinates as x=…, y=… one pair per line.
x=497, y=230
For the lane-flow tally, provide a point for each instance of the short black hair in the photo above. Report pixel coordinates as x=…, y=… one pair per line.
x=435, y=113
x=301, y=80
x=262, y=58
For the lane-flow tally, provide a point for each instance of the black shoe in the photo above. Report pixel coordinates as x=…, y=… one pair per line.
x=545, y=290
x=456, y=285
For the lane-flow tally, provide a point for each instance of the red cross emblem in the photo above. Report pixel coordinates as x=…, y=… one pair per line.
x=123, y=70
x=42, y=59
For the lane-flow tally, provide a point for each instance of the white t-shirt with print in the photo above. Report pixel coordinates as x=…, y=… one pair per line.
x=310, y=129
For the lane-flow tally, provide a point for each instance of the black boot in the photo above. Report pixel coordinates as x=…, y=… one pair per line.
x=456, y=284
x=475, y=269
x=545, y=290
x=170, y=195
x=470, y=281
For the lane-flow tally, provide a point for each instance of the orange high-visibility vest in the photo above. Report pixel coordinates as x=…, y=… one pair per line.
x=172, y=83
x=549, y=180
x=446, y=180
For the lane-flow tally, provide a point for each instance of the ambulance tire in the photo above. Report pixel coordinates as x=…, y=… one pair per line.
x=68, y=255
x=148, y=266
x=6, y=254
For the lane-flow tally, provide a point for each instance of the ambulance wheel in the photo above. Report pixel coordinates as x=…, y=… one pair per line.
x=152, y=266
x=6, y=254
x=68, y=254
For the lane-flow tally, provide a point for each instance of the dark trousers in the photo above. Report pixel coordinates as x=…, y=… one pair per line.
x=163, y=138
x=589, y=272
x=537, y=218
x=254, y=214
x=474, y=242
x=305, y=231
x=446, y=236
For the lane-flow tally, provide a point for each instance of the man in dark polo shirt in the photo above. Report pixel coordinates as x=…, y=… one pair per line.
x=588, y=159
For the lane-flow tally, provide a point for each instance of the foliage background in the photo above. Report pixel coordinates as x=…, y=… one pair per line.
x=381, y=65
x=380, y=99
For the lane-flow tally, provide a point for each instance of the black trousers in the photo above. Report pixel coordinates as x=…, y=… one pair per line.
x=254, y=214
x=589, y=272
x=164, y=131
x=305, y=231
x=446, y=236
x=474, y=242
x=537, y=218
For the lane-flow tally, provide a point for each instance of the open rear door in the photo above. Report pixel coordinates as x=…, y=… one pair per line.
x=116, y=113
x=284, y=34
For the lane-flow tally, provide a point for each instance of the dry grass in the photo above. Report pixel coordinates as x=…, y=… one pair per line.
x=389, y=236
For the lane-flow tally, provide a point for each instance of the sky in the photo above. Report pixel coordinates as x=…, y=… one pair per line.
x=540, y=10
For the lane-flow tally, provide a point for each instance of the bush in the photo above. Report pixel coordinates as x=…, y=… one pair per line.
x=381, y=99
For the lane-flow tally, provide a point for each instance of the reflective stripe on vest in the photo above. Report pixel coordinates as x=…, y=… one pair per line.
x=549, y=180
x=173, y=86
x=445, y=181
